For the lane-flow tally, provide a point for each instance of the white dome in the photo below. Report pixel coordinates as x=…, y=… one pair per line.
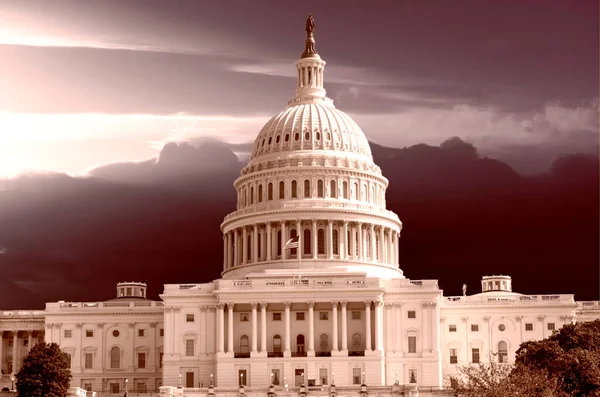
x=311, y=126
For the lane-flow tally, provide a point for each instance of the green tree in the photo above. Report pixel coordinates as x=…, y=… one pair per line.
x=45, y=372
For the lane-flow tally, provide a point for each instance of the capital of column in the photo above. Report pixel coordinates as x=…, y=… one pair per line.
x=152, y=325
x=368, y=304
x=168, y=309
x=263, y=305
x=442, y=319
x=486, y=319
x=100, y=325
x=220, y=306
x=334, y=304
x=541, y=318
x=78, y=325
x=230, y=306
x=464, y=319
x=389, y=305
x=131, y=325
x=253, y=305
x=372, y=227
x=377, y=303
x=287, y=304
x=177, y=309
x=399, y=305
x=518, y=318
x=563, y=317
x=311, y=304
x=343, y=304
x=203, y=308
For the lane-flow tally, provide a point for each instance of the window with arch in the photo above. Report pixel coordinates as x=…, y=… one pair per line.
x=260, y=193
x=357, y=342
x=294, y=189
x=321, y=242
x=244, y=347
x=355, y=190
x=281, y=190
x=377, y=248
x=332, y=189
x=249, y=248
x=502, y=352
x=115, y=357
x=278, y=243
x=251, y=195
x=345, y=189
x=324, y=342
x=270, y=191
x=306, y=188
x=320, y=188
x=307, y=242
x=334, y=236
x=277, y=343
x=293, y=251
x=300, y=344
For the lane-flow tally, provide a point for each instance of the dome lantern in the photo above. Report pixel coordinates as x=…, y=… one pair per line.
x=310, y=70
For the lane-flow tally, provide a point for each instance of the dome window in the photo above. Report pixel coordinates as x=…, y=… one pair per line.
x=306, y=188
x=277, y=139
x=263, y=143
x=328, y=136
x=281, y=190
x=318, y=136
x=270, y=191
x=287, y=137
x=332, y=190
x=320, y=189
x=502, y=327
x=270, y=139
x=297, y=136
x=294, y=189
x=260, y=193
x=306, y=136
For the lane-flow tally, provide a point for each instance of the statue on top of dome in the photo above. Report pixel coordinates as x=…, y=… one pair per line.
x=309, y=47
x=310, y=25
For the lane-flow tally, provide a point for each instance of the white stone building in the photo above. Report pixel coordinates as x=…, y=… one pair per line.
x=335, y=309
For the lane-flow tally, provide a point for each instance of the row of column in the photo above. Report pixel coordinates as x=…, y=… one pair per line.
x=15, y=350
x=378, y=327
x=315, y=79
x=355, y=241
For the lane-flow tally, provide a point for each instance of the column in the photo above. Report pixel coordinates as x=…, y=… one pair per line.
x=244, y=246
x=235, y=248
x=168, y=348
x=352, y=245
x=263, y=327
x=202, y=329
x=315, y=247
x=334, y=344
x=220, y=328
x=225, y=264
x=229, y=250
x=361, y=246
x=282, y=242
x=311, y=329
x=269, y=239
x=344, y=249
x=389, y=258
x=30, y=337
x=379, y=326
x=389, y=325
x=330, y=239
x=1, y=352
x=373, y=245
x=368, y=326
x=397, y=248
x=300, y=249
x=287, y=329
x=132, y=333
x=255, y=244
x=176, y=320
x=398, y=327
x=254, y=328
x=381, y=250
x=14, y=355
x=230, y=328
x=435, y=330
x=344, y=304
x=263, y=244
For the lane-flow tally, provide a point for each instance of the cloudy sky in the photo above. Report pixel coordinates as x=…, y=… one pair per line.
x=87, y=83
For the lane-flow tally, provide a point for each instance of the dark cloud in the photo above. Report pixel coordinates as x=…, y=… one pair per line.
x=464, y=216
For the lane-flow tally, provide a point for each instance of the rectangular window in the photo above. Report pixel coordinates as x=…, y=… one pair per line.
x=189, y=379
x=323, y=376
x=244, y=317
x=68, y=333
x=161, y=332
x=452, y=328
x=474, y=327
x=114, y=388
x=89, y=333
x=141, y=387
x=551, y=326
x=160, y=360
x=87, y=386
x=189, y=347
x=323, y=316
x=528, y=326
x=475, y=355
x=356, y=376
x=412, y=344
x=356, y=315
x=69, y=360
x=275, y=377
x=412, y=375
x=276, y=316
x=189, y=318
x=142, y=332
x=141, y=360
x=89, y=360
x=242, y=377
x=453, y=356
x=412, y=314
x=299, y=316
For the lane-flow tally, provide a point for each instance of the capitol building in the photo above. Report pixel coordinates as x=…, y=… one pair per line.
x=311, y=297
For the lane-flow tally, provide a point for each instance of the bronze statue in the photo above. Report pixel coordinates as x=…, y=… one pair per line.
x=310, y=25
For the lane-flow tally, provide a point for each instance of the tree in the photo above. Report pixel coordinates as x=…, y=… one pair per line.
x=45, y=372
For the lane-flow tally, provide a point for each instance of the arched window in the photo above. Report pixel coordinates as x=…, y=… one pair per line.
x=307, y=242
x=293, y=251
x=278, y=243
x=320, y=189
x=332, y=189
x=321, y=242
x=324, y=342
x=306, y=188
x=277, y=343
x=244, y=344
x=252, y=195
x=270, y=191
x=300, y=343
x=377, y=248
x=345, y=189
x=294, y=189
x=335, y=242
x=260, y=196
x=115, y=357
x=502, y=352
x=357, y=342
x=281, y=190
x=249, y=248
x=355, y=190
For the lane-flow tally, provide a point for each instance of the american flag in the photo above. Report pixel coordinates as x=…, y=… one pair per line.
x=292, y=243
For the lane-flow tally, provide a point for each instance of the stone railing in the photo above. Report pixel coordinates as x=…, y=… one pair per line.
x=589, y=305
x=85, y=306
x=509, y=299
x=22, y=314
x=291, y=282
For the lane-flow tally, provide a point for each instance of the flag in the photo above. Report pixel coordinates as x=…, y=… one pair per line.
x=292, y=243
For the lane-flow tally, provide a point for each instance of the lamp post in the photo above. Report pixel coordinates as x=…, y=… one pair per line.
x=333, y=378
x=12, y=382
x=363, y=377
x=126, y=380
x=180, y=380
x=211, y=380
x=242, y=379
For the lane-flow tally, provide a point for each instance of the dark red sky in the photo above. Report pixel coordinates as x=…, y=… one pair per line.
x=519, y=79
